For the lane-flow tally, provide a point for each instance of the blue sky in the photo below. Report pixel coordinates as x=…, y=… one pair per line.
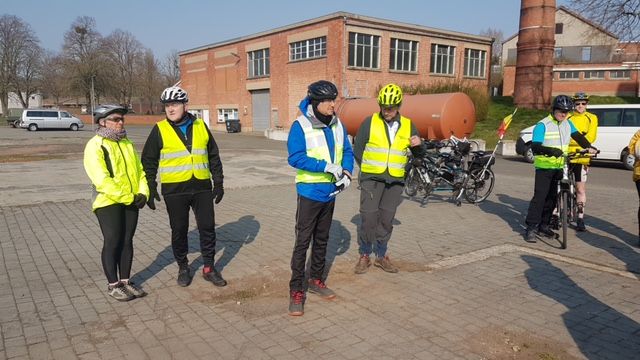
x=184, y=24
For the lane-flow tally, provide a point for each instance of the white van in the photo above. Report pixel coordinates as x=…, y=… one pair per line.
x=34, y=119
x=616, y=125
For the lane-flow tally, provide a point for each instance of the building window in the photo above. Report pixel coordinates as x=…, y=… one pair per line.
x=586, y=53
x=619, y=74
x=557, y=53
x=569, y=75
x=559, y=27
x=594, y=74
x=474, y=62
x=227, y=114
x=364, y=50
x=442, y=59
x=403, y=55
x=258, y=63
x=308, y=49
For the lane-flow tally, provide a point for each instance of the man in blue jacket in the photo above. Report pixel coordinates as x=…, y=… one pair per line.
x=320, y=150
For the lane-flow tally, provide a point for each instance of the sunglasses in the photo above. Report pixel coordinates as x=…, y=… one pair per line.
x=580, y=103
x=116, y=119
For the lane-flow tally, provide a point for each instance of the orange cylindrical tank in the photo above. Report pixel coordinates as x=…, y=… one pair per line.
x=436, y=116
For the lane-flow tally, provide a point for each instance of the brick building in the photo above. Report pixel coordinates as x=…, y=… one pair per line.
x=587, y=58
x=261, y=78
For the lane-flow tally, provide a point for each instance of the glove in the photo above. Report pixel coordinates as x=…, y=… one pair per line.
x=344, y=182
x=139, y=200
x=555, y=152
x=153, y=194
x=218, y=193
x=334, y=169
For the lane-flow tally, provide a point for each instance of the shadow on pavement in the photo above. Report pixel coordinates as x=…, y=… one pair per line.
x=511, y=210
x=598, y=330
x=339, y=242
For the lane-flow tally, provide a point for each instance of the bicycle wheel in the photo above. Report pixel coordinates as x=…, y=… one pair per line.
x=479, y=185
x=564, y=210
x=412, y=183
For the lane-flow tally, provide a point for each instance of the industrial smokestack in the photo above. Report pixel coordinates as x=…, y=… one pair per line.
x=534, y=63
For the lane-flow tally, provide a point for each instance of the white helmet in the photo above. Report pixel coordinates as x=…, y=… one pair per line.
x=174, y=93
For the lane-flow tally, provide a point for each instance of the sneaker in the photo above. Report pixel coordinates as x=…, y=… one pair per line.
x=212, y=275
x=296, y=303
x=134, y=289
x=184, y=276
x=544, y=230
x=119, y=292
x=385, y=264
x=580, y=225
x=530, y=235
x=317, y=286
x=363, y=264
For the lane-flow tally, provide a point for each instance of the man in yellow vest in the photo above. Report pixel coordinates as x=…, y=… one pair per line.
x=587, y=124
x=320, y=151
x=183, y=152
x=381, y=149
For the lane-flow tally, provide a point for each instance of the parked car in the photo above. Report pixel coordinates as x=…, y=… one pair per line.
x=34, y=119
x=13, y=117
x=616, y=125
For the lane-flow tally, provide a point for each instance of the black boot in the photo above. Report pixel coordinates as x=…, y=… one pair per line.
x=530, y=234
x=544, y=229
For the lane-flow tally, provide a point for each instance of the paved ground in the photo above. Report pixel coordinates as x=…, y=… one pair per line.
x=469, y=287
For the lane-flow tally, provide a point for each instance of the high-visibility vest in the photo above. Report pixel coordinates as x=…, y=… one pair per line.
x=556, y=135
x=318, y=148
x=587, y=124
x=177, y=164
x=379, y=155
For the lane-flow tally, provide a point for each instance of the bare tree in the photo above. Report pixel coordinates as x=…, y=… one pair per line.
x=54, y=78
x=171, y=68
x=621, y=17
x=124, y=52
x=496, y=48
x=151, y=82
x=28, y=80
x=16, y=40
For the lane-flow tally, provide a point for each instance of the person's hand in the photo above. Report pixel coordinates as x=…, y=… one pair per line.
x=556, y=152
x=153, y=195
x=593, y=150
x=218, y=193
x=139, y=200
x=333, y=169
x=415, y=140
x=344, y=182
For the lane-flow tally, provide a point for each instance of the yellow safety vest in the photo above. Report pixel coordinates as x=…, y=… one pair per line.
x=318, y=148
x=378, y=155
x=556, y=135
x=177, y=164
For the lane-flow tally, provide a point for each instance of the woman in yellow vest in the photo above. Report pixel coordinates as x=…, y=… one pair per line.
x=381, y=149
x=634, y=147
x=120, y=190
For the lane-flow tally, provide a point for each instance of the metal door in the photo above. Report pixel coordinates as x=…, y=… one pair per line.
x=261, y=105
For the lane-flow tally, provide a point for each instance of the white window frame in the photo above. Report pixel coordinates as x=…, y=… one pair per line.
x=557, y=53
x=258, y=63
x=308, y=49
x=585, y=53
x=232, y=114
x=398, y=56
x=562, y=75
x=625, y=74
x=365, y=44
x=443, y=59
x=589, y=75
x=475, y=63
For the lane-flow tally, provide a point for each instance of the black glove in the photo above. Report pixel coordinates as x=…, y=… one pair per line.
x=218, y=193
x=153, y=194
x=555, y=152
x=139, y=200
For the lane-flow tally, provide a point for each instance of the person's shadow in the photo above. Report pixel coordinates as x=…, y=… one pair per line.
x=511, y=210
x=590, y=322
x=339, y=242
x=230, y=238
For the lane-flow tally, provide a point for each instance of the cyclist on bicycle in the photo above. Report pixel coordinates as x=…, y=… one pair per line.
x=587, y=124
x=551, y=137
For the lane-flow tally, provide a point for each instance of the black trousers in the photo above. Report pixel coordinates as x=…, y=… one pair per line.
x=313, y=222
x=178, y=209
x=118, y=223
x=545, y=194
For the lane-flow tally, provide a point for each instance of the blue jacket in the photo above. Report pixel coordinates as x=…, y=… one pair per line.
x=298, y=158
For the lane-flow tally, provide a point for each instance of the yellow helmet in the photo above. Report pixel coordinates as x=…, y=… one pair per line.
x=390, y=95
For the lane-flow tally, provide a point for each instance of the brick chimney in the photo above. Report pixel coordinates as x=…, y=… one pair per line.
x=534, y=63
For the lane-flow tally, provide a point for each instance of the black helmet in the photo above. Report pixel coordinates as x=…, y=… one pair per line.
x=563, y=102
x=322, y=90
x=103, y=111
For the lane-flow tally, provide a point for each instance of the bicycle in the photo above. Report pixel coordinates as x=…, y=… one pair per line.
x=567, y=205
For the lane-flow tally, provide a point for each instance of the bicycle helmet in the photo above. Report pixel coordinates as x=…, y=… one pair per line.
x=580, y=96
x=322, y=90
x=390, y=95
x=173, y=94
x=562, y=102
x=103, y=111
